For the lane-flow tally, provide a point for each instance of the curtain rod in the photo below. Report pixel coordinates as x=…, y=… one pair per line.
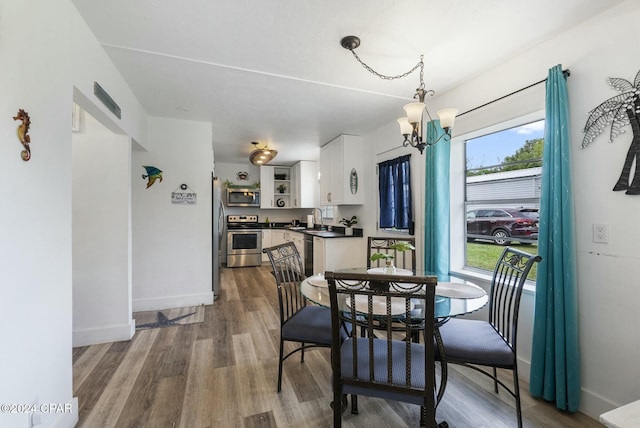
x=566, y=74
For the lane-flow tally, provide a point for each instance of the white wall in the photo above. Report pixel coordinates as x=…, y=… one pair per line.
x=382, y=144
x=607, y=273
x=101, y=235
x=172, y=247
x=42, y=60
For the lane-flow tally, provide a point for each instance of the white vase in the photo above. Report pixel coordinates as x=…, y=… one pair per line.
x=348, y=231
x=389, y=268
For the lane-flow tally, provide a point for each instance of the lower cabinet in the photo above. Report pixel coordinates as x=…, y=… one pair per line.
x=298, y=239
x=266, y=243
x=331, y=254
x=281, y=236
x=277, y=237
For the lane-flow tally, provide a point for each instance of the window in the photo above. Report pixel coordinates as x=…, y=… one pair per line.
x=394, y=187
x=502, y=192
x=327, y=212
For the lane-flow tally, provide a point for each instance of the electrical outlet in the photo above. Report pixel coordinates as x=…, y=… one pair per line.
x=600, y=233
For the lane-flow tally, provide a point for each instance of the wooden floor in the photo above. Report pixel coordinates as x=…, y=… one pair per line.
x=222, y=373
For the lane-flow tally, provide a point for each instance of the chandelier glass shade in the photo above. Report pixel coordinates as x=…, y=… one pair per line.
x=262, y=156
x=412, y=126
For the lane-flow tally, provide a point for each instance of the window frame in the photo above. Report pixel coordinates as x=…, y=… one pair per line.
x=458, y=198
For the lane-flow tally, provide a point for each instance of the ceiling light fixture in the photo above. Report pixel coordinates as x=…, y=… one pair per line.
x=411, y=127
x=261, y=156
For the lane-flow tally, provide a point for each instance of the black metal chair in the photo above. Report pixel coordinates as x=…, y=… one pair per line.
x=308, y=325
x=382, y=364
x=401, y=259
x=492, y=343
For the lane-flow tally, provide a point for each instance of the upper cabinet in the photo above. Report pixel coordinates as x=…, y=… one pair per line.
x=289, y=187
x=304, y=176
x=341, y=164
x=275, y=186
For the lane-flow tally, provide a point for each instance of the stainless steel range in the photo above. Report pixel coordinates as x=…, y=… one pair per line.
x=244, y=241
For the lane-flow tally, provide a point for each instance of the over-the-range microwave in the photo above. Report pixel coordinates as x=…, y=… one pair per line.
x=243, y=197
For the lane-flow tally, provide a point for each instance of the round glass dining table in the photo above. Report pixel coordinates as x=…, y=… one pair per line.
x=454, y=296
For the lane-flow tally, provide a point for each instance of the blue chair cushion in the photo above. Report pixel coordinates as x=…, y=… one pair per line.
x=398, y=353
x=475, y=342
x=311, y=324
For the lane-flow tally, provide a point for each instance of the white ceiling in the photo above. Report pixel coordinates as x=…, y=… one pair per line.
x=273, y=71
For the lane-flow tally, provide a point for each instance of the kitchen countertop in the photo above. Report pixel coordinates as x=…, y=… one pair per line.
x=339, y=233
x=326, y=234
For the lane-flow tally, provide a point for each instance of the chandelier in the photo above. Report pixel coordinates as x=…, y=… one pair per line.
x=261, y=156
x=411, y=126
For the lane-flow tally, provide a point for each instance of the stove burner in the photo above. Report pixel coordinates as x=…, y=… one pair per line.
x=243, y=222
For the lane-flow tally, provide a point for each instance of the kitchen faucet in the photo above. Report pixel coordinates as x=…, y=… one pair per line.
x=313, y=212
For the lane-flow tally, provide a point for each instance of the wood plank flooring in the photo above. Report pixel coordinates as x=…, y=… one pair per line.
x=223, y=372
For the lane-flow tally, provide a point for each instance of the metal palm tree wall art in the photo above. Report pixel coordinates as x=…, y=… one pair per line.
x=619, y=111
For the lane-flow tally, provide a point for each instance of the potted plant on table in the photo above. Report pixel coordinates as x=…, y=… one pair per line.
x=389, y=268
x=348, y=224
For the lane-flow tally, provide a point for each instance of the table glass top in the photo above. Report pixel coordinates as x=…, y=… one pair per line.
x=454, y=296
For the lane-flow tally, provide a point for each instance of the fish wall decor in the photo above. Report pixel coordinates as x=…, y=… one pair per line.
x=152, y=174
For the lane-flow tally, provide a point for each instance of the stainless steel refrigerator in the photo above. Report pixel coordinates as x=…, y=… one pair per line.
x=218, y=222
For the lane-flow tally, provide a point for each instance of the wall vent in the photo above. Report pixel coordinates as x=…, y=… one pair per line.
x=102, y=95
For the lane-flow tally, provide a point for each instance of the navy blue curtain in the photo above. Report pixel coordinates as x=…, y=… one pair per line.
x=394, y=187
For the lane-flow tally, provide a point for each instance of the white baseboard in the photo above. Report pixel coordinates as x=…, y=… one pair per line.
x=524, y=370
x=112, y=333
x=66, y=419
x=591, y=404
x=159, y=303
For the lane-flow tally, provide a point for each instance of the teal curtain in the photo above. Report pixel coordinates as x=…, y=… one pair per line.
x=436, y=216
x=555, y=356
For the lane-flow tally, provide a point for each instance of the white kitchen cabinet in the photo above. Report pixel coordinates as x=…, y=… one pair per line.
x=266, y=186
x=341, y=164
x=279, y=236
x=298, y=239
x=304, y=184
x=266, y=243
x=275, y=186
x=330, y=254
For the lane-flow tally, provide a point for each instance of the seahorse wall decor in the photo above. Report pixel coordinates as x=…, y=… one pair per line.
x=23, y=133
x=619, y=111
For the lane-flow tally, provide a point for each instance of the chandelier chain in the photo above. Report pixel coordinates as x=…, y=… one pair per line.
x=420, y=65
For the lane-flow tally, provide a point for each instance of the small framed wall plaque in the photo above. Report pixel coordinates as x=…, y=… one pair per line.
x=353, y=181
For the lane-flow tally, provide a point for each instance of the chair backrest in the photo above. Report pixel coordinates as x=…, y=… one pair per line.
x=509, y=277
x=380, y=303
x=289, y=272
x=401, y=259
